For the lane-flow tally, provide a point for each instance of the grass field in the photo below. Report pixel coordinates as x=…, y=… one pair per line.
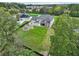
x=34, y=38
x=34, y=14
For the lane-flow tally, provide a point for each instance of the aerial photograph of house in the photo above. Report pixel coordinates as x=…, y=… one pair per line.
x=38, y=29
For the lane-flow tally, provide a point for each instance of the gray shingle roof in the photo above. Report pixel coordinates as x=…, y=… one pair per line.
x=43, y=18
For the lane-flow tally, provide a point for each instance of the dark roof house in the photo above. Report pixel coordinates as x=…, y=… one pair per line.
x=44, y=20
x=24, y=15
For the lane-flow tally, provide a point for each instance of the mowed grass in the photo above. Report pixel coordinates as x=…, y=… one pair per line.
x=33, y=38
x=34, y=14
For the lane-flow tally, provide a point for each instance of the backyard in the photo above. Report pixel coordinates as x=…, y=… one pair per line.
x=34, y=38
x=34, y=14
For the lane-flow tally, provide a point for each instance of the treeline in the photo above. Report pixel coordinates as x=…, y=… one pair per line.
x=53, y=10
x=65, y=42
x=13, y=5
x=71, y=9
x=57, y=9
x=13, y=8
x=74, y=10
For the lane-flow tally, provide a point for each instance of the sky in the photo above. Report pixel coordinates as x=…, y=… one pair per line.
x=43, y=1
x=47, y=3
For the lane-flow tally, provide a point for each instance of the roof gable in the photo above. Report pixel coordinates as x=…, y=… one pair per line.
x=24, y=15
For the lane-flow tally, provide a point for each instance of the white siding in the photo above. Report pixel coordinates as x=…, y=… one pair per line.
x=51, y=23
x=21, y=20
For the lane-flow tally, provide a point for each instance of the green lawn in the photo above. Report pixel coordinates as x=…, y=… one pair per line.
x=34, y=14
x=34, y=37
x=75, y=22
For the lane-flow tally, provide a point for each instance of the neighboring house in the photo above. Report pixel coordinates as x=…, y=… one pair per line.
x=38, y=7
x=34, y=6
x=43, y=20
x=23, y=17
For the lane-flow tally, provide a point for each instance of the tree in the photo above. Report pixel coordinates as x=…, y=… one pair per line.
x=74, y=10
x=13, y=11
x=56, y=10
x=43, y=10
x=64, y=41
x=7, y=26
